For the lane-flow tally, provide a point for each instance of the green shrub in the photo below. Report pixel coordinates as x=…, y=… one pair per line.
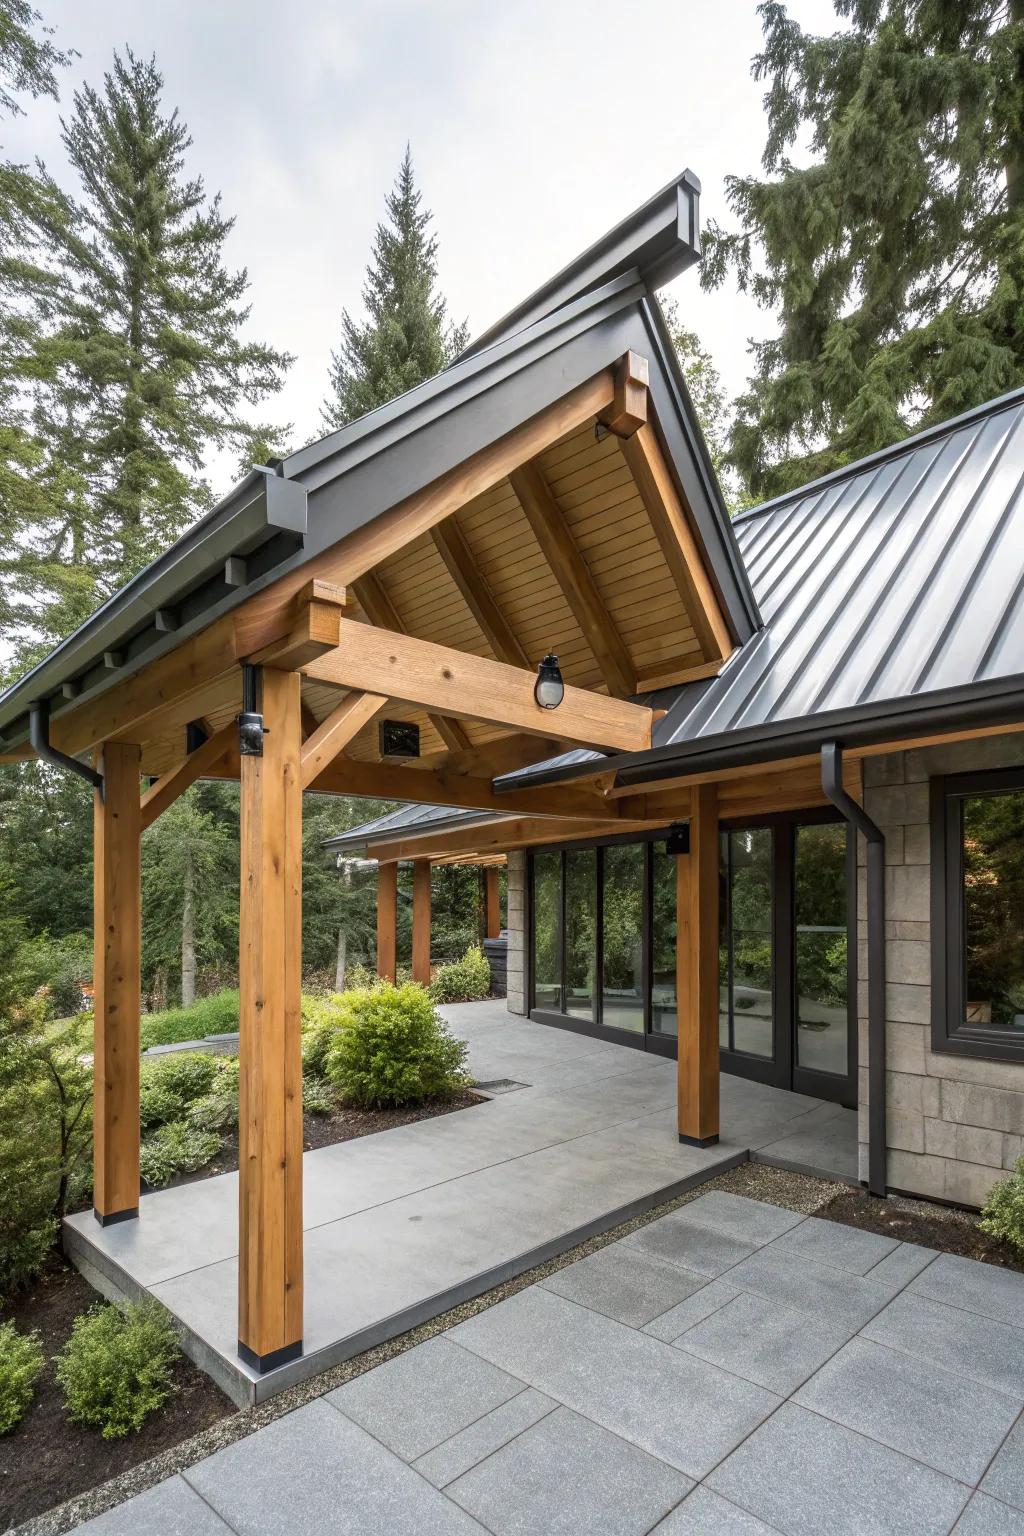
x=214, y=1015
x=390, y=1048
x=318, y=1096
x=463, y=981
x=1003, y=1212
x=169, y=1084
x=21, y=1360
x=180, y=1146
x=116, y=1368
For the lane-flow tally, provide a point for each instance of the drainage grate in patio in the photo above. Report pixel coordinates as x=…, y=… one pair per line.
x=502, y=1085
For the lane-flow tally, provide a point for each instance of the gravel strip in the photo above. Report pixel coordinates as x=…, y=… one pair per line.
x=760, y=1181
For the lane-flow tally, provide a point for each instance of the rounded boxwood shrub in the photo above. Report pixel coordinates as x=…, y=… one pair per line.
x=116, y=1368
x=1003, y=1212
x=21, y=1360
x=391, y=1048
x=463, y=981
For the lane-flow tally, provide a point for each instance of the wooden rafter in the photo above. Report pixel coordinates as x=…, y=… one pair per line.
x=571, y=572
x=334, y=734
x=464, y=570
x=628, y=411
x=682, y=553
x=435, y=677
x=380, y=610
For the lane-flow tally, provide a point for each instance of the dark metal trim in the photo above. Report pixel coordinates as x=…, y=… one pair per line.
x=832, y=784
x=269, y=1362
x=698, y=1141
x=112, y=1218
x=949, y=1033
x=39, y=736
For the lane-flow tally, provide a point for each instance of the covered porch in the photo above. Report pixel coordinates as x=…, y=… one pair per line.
x=401, y=1225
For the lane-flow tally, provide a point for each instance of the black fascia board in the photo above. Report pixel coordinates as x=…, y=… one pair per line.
x=995, y=702
x=660, y=239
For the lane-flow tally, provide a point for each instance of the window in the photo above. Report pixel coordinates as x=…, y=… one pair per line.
x=622, y=928
x=822, y=1004
x=745, y=954
x=580, y=931
x=547, y=930
x=978, y=914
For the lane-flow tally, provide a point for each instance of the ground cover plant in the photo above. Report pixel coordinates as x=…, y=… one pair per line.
x=21, y=1362
x=116, y=1368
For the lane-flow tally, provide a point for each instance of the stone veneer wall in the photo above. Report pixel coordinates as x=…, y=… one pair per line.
x=954, y=1123
x=515, y=922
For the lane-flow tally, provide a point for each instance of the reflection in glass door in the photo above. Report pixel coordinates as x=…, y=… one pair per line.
x=822, y=983
x=622, y=927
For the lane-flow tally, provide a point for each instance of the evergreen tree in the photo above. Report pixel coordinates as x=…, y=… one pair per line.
x=190, y=888
x=707, y=393
x=894, y=259
x=149, y=371
x=406, y=337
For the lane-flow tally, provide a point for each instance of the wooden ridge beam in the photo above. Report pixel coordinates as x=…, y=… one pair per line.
x=334, y=734
x=195, y=766
x=435, y=677
x=572, y=573
x=380, y=610
x=450, y=543
x=643, y=454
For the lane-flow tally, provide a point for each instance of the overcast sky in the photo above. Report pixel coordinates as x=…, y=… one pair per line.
x=535, y=125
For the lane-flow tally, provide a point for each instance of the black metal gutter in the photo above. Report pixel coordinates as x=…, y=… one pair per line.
x=660, y=239
x=858, y=818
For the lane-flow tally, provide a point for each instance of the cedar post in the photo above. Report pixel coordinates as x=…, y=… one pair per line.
x=421, y=921
x=117, y=900
x=697, y=972
x=270, y=1045
x=387, y=921
x=492, y=902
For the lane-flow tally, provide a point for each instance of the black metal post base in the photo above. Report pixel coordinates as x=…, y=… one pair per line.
x=111, y=1218
x=698, y=1141
x=276, y=1357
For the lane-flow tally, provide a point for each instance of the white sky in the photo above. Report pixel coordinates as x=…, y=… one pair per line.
x=534, y=127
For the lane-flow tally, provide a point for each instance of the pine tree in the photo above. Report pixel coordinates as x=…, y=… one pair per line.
x=149, y=372
x=894, y=259
x=407, y=337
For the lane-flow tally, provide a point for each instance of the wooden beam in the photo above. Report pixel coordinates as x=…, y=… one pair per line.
x=671, y=674
x=492, y=901
x=387, y=921
x=165, y=692
x=436, y=677
x=502, y=754
x=117, y=901
x=421, y=922
x=270, y=1044
x=380, y=610
x=334, y=734
x=388, y=781
x=572, y=573
x=309, y=720
x=628, y=411
x=682, y=553
x=196, y=765
x=464, y=569
x=697, y=974
x=308, y=626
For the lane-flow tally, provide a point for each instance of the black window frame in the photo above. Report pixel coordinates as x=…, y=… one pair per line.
x=951, y=1034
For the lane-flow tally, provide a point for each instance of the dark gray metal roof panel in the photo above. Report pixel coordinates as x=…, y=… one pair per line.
x=407, y=818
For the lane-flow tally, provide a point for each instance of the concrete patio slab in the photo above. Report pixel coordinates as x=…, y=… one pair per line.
x=555, y=1418
x=404, y=1224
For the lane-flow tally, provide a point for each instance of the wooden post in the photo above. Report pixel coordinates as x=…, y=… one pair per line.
x=387, y=921
x=492, y=902
x=697, y=972
x=117, y=898
x=421, y=921
x=270, y=1046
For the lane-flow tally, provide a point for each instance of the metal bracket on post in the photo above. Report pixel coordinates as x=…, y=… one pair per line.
x=39, y=736
x=251, y=729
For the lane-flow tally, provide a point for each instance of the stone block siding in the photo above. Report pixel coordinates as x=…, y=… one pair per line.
x=954, y=1123
x=515, y=922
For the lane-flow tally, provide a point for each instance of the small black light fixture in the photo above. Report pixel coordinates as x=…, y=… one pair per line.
x=549, y=689
x=677, y=842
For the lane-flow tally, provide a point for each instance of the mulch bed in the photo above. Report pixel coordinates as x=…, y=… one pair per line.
x=342, y=1125
x=915, y=1221
x=46, y=1459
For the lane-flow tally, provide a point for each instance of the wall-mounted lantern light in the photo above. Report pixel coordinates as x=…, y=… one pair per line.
x=549, y=689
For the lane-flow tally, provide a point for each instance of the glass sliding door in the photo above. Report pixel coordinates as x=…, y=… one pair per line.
x=622, y=930
x=580, y=931
x=663, y=942
x=746, y=956
x=821, y=880
x=547, y=931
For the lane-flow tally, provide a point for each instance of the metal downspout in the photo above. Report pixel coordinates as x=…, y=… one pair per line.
x=39, y=737
x=858, y=818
